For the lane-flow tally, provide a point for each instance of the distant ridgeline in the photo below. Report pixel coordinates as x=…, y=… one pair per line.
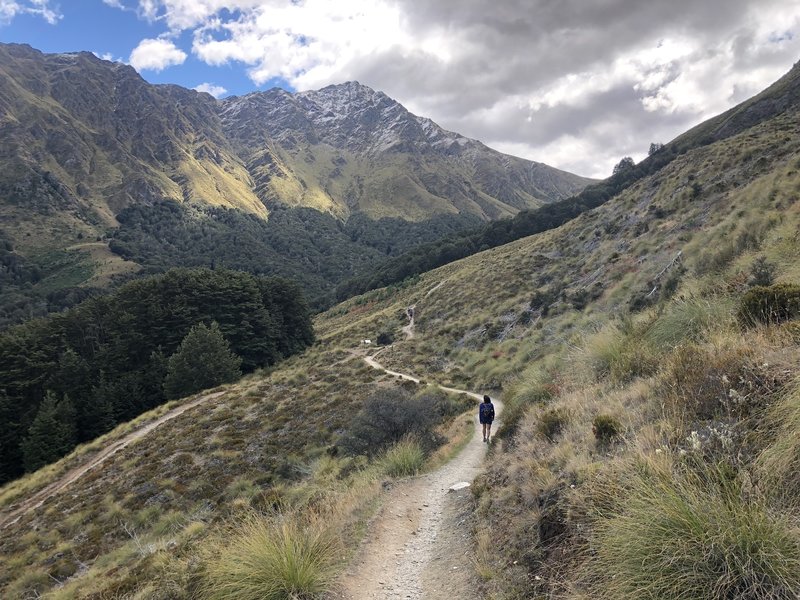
x=104, y=361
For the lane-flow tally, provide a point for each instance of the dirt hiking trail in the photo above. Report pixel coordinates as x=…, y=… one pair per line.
x=418, y=546
x=39, y=498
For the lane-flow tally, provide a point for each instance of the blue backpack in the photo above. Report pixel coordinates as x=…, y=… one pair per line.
x=486, y=411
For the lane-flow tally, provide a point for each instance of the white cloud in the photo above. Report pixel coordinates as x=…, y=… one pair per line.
x=308, y=43
x=569, y=83
x=156, y=55
x=114, y=3
x=8, y=10
x=210, y=88
x=11, y=8
x=108, y=56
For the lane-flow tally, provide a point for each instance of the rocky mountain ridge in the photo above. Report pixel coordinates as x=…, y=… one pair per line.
x=85, y=140
x=361, y=142
x=111, y=140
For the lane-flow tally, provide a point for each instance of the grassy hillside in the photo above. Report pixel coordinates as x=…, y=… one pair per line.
x=648, y=447
x=650, y=439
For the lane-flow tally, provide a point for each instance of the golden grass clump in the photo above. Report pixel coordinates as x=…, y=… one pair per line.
x=619, y=352
x=404, y=459
x=689, y=320
x=276, y=557
x=693, y=535
x=779, y=463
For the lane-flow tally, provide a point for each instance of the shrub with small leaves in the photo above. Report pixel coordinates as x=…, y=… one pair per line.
x=606, y=428
x=773, y=304
x=392, y=414
x=551, y=423
x=762, y=272
x=385, y=338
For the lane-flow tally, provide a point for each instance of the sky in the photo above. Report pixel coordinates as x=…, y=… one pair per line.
x=576, y=84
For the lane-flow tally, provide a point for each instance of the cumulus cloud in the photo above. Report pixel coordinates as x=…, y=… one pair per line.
x=210, y=88
x=11, y=8
x=156, y=55
x=570, y=83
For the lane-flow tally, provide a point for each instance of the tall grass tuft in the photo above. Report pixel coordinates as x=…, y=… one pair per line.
x=270, y=558
x=779, y=463
x=621, y=353
x=404, y=459
x=535, y=385
x=694, y=536
x=689, y=321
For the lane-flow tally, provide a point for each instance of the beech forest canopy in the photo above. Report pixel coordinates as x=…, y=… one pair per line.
x=105, y=360
x=313, y=248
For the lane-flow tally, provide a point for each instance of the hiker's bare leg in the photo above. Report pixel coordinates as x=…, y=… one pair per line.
x=488, y=430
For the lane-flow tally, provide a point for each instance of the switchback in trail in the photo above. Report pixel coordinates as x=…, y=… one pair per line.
x=418, y=547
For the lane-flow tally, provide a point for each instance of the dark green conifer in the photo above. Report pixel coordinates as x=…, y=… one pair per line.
x=203, y=360
x=52, y=434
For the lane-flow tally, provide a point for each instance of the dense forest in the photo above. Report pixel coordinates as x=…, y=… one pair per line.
x=308, y=246
x=71, y=376
x=302, y=244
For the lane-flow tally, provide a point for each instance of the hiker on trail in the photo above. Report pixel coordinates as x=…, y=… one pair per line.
x=486, y=416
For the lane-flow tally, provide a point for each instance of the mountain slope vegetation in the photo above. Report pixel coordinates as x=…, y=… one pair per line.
x=111, y=358
x=781, y=96
x=87, y=140
x=650, y=414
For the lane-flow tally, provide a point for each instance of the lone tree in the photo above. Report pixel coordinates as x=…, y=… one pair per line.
x=626, y=164
x=203, y=360
x=52, y=434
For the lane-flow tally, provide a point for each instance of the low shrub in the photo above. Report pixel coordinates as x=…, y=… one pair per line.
x=403, y=459
x=606, y=428
x=689, y=536
x=389, y=416
x=385, y=338
x=551, y=423
x=270, y=558
x=774, y=304
x=762, y=272
x=696, y=383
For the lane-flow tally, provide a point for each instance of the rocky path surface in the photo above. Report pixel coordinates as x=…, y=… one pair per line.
x=418, y=546
x=39, y=498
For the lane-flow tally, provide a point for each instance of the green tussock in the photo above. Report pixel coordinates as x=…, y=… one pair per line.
x=695, y=536
x=278, y=558
x=404, y=459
